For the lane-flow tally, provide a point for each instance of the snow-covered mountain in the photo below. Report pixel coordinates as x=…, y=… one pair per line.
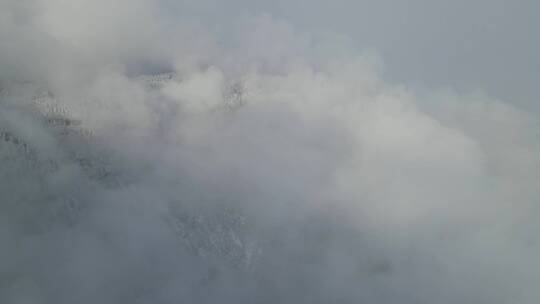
x=60, y=160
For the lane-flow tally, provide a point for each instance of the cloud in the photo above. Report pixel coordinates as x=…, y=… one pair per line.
x=149, y=159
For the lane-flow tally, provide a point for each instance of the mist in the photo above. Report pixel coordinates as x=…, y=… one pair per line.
x=252, y=152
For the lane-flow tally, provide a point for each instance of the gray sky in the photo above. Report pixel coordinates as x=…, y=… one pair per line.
x=467, y=45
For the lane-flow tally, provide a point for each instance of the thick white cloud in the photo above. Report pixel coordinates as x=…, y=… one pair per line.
x=266, y=166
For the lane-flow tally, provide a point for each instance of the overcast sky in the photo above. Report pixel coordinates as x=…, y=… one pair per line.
x=490, y=45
